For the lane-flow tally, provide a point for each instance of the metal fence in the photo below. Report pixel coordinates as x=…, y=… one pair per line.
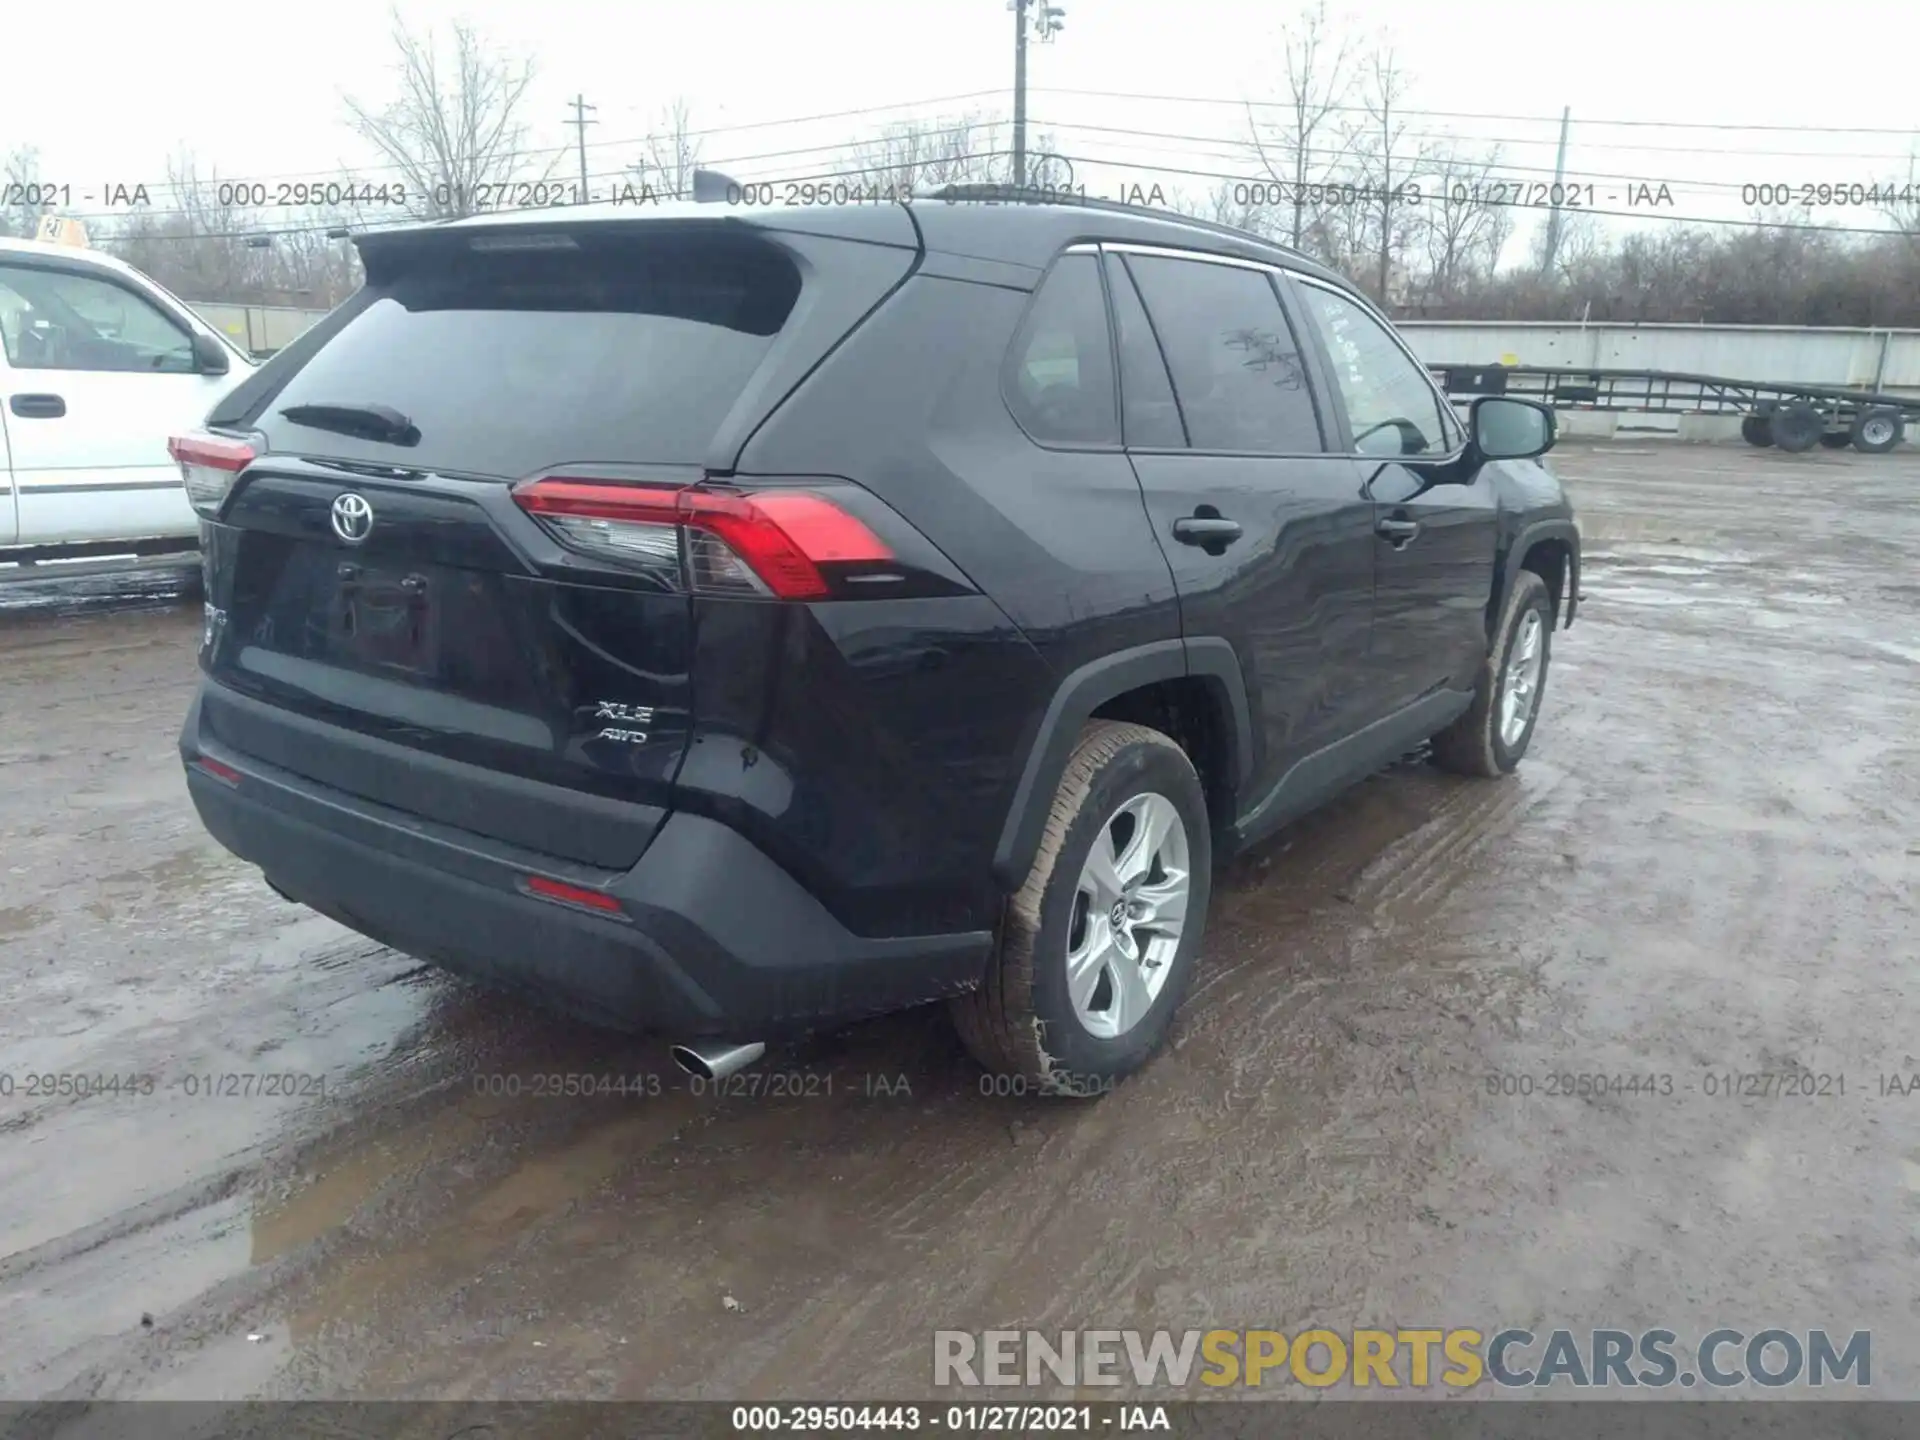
x=1884, y=360
x=258, y=329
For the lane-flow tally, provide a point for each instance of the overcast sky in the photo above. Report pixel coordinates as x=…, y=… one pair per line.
x=255, y=90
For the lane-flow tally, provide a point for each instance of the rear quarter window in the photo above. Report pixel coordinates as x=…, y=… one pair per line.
x=1059, y=375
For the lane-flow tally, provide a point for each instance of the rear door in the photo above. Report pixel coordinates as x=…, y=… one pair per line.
x=98, y=377
x=381, y=578
x=1268, y=535
x=1435, y=520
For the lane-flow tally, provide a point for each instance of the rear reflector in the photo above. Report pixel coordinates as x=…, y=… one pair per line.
x=220, y=772
x=208, y=464
x=572, y=894
x=767, y=542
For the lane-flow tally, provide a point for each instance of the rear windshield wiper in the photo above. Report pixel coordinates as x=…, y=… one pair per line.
x=364, y=422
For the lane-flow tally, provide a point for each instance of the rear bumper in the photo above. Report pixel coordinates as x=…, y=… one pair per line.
x=713, y=938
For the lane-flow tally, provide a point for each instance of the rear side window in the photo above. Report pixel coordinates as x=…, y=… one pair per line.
x=1237, y=369
x=618, y=349
x=1059, y=379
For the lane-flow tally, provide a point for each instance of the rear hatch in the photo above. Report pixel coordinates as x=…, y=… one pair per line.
x=375, y=569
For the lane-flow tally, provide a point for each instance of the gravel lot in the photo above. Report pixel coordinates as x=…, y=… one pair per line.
x=1706, y=867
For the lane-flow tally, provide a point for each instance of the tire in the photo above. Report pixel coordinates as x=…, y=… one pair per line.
x=1877, y=429
x=1835, y=440
x=1023, y=1022
x=1797, y=426
x=1757, y=430
x=1475, y=743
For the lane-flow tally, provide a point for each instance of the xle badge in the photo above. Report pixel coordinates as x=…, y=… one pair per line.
x=632, y=715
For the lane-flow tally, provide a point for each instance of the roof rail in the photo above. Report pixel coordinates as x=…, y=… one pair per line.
x=988, y=191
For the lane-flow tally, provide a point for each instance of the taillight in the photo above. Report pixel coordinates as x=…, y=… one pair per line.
x=767, y=542
x=208, y=464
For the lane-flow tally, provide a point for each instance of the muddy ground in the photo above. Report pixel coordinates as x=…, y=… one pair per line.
x=1706, y=865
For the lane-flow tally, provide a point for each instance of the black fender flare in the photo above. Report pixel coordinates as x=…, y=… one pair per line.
x=1210, y=659
x=1561, y=529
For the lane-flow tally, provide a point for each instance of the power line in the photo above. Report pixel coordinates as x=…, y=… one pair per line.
x=1455, y=137
x=1521, y=205
x=1459, y=169
x=1640, y=146
x=858, y=173
x=177, y=212
x=1493, y=171
x=553, y=152
x=1487, y=115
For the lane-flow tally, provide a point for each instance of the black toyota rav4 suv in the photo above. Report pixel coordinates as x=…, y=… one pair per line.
x=727, y=623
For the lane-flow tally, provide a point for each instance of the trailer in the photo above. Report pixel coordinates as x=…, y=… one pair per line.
x=1786, y=414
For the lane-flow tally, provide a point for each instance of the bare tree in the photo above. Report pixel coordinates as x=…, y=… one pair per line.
x=1384, y=166
x=1904, y=208
x=208, y=244
x=20, y=177
x=1228, y=203
x=456, y=124
x=1309, y=142
x=913, y=155
x=669, y=155
x=1460, y=232
x=1581, y=245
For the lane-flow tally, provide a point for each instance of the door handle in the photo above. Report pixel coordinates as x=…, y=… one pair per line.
x=1213, y=531
x=1396, y=532
x=38, y=407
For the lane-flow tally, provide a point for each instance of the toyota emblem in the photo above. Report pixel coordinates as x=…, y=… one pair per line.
x=352, y=518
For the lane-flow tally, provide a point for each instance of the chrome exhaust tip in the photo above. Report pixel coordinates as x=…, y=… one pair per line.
x=715, y=1062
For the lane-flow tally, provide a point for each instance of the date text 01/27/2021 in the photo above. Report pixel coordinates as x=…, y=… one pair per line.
x=193, y=1085
x=990, y=1419
x=647, y=1084
x=1711, y=1084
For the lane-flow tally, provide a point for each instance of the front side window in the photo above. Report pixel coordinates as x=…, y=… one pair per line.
x=1060, y=370
x=1392, y=408
x=60, y=320
x=1237, y=370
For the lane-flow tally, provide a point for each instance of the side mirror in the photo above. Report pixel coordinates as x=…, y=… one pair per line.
x=1504, y=428
x=209, y=355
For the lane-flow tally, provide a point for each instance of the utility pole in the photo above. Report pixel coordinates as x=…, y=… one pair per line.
x=1552, y=250
x=1386, y=188
x=1052, y=22
x=1020, y=94
x=580, y=123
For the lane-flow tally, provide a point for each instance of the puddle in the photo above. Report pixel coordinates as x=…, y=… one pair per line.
x=1910, y=653
x=1805, y=597
x=1646, y=595
x=154, y=588
x=104, y=1290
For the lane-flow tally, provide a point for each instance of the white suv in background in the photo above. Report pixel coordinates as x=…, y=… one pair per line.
x=99, y=367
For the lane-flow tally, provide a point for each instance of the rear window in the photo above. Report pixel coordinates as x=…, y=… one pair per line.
x=616, y=349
